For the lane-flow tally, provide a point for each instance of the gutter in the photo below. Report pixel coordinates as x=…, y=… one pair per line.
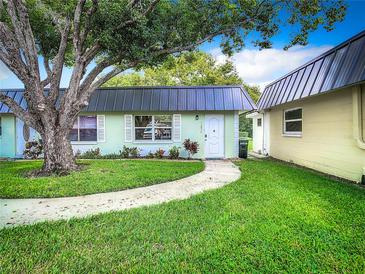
x=358, y=129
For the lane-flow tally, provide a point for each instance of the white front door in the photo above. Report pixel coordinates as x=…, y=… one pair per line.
x=214, y=136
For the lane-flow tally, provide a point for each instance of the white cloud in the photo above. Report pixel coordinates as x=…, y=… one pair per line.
x=4, y=71
x=262, y=67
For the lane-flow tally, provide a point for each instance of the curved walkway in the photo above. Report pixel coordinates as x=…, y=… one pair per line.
x=28, y=211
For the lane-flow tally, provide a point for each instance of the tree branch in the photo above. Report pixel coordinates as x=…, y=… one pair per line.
x=10, y=55
x=94, y=73
x=59, y=61
x=18, y=111
x=46, y=81
x=85, y=31
x=77, y=27
x=23, y=31
x=147, y=11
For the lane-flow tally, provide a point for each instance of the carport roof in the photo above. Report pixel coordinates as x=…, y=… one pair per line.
x=341, y=66
x=184, y=98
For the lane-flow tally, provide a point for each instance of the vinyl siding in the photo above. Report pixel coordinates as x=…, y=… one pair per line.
x=327, y=143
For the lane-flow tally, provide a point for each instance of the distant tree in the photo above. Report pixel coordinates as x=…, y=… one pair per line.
x=189, y=69
x=101, y=38
x=245, y=124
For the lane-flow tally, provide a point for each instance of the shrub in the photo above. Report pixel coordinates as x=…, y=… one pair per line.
x=129, y=152
x=150, y=155
x=125, y=152
x=159, y=153
x=91, y=154
x=174, y=152
x=134, y=152
x=33, y=149
x=112, y=156
x=191, y=147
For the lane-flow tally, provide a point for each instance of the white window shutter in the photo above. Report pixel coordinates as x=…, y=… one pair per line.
x=177, y=127
x=101, y=127
x=128, y=127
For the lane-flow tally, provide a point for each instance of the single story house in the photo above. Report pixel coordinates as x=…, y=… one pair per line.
x=145, y=117
x=315, y=115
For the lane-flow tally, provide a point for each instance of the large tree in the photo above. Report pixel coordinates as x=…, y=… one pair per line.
x=101, y=38
x=195, y=68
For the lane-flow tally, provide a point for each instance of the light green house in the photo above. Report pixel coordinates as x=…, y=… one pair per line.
x=148, y=118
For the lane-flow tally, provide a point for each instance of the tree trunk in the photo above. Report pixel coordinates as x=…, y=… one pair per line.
x=58, y=153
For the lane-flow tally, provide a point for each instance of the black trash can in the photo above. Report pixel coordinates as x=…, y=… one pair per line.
x=243, y=148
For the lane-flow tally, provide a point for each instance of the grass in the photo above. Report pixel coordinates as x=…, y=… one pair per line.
x=276, y=218
x=98, y=176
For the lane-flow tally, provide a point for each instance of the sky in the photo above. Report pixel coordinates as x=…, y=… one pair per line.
x=261, y=67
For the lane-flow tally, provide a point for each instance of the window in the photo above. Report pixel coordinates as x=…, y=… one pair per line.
x=0, y=128
x=293, y=122
x=84, y=129
x=154, y=127
x=259, y=122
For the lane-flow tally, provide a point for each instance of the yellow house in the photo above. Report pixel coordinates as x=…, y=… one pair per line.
x=315, y=115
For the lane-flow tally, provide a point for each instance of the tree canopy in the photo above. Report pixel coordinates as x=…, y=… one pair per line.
x=189, y=69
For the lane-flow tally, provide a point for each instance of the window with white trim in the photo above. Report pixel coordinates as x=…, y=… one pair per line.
x=84, y=129
x=152, y=127
x=259, y=122
x=293, y=122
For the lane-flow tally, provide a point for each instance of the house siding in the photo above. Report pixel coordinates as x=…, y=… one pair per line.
x=7, y=138
x=327, y=143
x=190, y=128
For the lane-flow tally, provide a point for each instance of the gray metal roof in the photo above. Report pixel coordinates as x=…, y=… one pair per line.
x=341, y=66
x=202, y=98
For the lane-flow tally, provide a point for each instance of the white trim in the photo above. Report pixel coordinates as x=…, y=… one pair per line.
x=100, y=128
x=128, y=128
x=292, y=133
x=236, y=125
x=153, y=140
x=176, y=127
x=357, y=116
x=221, y=137
x=83, y=143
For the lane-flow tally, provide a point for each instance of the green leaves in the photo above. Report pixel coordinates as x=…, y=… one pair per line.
x=130, y=33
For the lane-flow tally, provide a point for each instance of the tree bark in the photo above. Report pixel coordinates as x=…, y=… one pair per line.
x=58, y=153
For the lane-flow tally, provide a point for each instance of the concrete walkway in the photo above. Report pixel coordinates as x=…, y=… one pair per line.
x=28, y=211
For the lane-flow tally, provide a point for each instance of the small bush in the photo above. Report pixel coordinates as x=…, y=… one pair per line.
x=127, y=152
x=112, y=156
x=90, y=154
x=124, y=152
x=150, y=155
x=134, y=152
x=191, y=147
x=159, y=153
x=33, y=149
x=174, y=152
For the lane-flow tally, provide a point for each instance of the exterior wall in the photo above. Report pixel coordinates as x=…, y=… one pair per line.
x=363, y=112
x=190, y=128
x=7, y=138
x=257, y=132
x=327, y=143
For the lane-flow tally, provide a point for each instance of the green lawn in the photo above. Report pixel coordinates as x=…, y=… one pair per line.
x=98, y=176
x=276, y=218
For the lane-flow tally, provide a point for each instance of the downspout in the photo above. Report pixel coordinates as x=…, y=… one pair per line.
x=264, y=152
x=358, y=108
